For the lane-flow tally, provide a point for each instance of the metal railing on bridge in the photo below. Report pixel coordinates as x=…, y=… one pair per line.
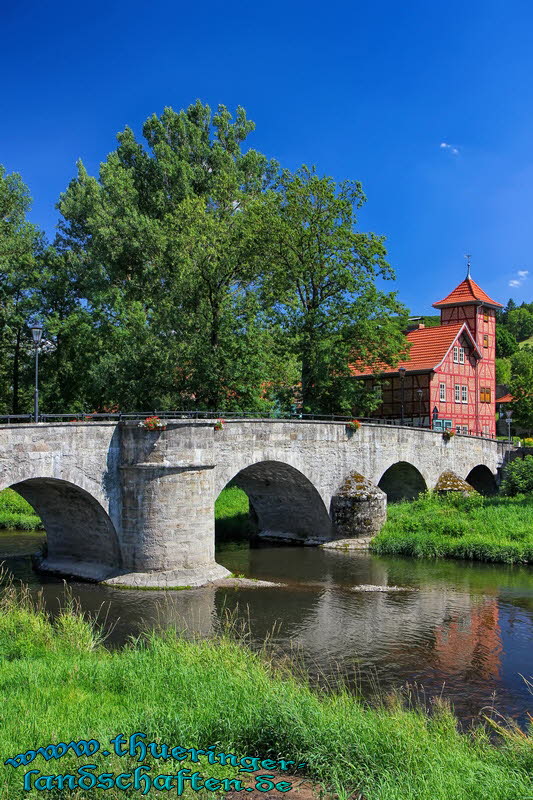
x=118, y=416
x=88, y=416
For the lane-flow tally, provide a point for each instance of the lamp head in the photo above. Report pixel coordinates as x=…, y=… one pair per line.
x=36, y=332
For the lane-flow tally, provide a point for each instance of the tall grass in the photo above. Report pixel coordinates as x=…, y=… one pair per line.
x=498, y=529
x=58, y=684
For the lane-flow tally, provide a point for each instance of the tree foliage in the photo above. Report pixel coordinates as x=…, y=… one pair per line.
x=506, y=343
x=521, y=387
x=320, y=284
x=192, y=272
x=20, y=244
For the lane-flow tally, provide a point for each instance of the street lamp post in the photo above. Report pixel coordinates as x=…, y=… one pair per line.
x=419, y=393
x=36, y=332
x=508, y=415
x=401, y=370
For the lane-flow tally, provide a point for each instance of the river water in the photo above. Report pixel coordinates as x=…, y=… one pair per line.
x=461, y=631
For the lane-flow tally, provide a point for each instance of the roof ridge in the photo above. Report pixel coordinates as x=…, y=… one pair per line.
x=466, y=293
x=426, y=353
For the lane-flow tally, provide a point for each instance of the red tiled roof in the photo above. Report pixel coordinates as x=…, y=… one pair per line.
x=467, y=292
x=507, y=398
x=428, y=348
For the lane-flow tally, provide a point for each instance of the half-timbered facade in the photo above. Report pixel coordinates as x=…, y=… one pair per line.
x=448, y=380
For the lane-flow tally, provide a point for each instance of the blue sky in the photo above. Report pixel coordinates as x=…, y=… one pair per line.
x=369, y=91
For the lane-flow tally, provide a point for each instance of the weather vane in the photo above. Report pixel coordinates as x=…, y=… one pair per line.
x=468, y=256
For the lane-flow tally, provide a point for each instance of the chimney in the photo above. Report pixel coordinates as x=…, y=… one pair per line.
x=414, y=324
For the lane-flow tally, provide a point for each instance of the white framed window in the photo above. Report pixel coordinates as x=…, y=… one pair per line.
x=461, y=355
x=455, y=355
x=464, y=394
x=442, y=391
x=465, y=429
x=457, y=393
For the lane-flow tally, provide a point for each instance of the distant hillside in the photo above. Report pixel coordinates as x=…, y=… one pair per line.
x=432, y=321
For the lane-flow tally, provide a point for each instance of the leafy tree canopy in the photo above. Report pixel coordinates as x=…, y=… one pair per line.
x=319, y=283
x=506, y=343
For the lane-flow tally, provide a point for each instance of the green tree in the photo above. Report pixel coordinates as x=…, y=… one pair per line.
x=319, y=280
x=506, y=343
x=520, y=323
x=503, y=370
x=521, y=387
x=20, y=245
x=511, y=305
x=163, y=243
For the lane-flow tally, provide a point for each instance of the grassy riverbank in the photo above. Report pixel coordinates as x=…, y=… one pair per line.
x=16, y=513
x=60, y=685
x=498, y=529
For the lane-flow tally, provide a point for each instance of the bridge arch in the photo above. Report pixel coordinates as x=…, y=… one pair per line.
x=81, y=539
x=286, y=503
x=482, y=479
x=402, y=481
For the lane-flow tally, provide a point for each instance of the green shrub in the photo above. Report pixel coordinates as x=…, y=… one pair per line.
x=518, y=476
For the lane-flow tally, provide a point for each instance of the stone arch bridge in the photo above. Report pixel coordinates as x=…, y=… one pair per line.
x=126, y=505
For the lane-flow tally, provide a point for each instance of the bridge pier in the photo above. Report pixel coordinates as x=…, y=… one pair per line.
x=358, y=509
x=168, y=535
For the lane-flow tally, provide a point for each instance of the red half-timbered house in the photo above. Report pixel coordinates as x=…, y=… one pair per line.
x=448, y=380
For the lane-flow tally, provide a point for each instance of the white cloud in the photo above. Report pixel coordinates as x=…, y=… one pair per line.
x=518, y=281
x=453, y=150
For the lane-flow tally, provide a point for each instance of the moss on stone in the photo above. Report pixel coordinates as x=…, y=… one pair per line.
x=449, y=481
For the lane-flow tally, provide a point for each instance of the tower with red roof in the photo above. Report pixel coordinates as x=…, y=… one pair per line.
x=468, y=303
x=448, y=380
